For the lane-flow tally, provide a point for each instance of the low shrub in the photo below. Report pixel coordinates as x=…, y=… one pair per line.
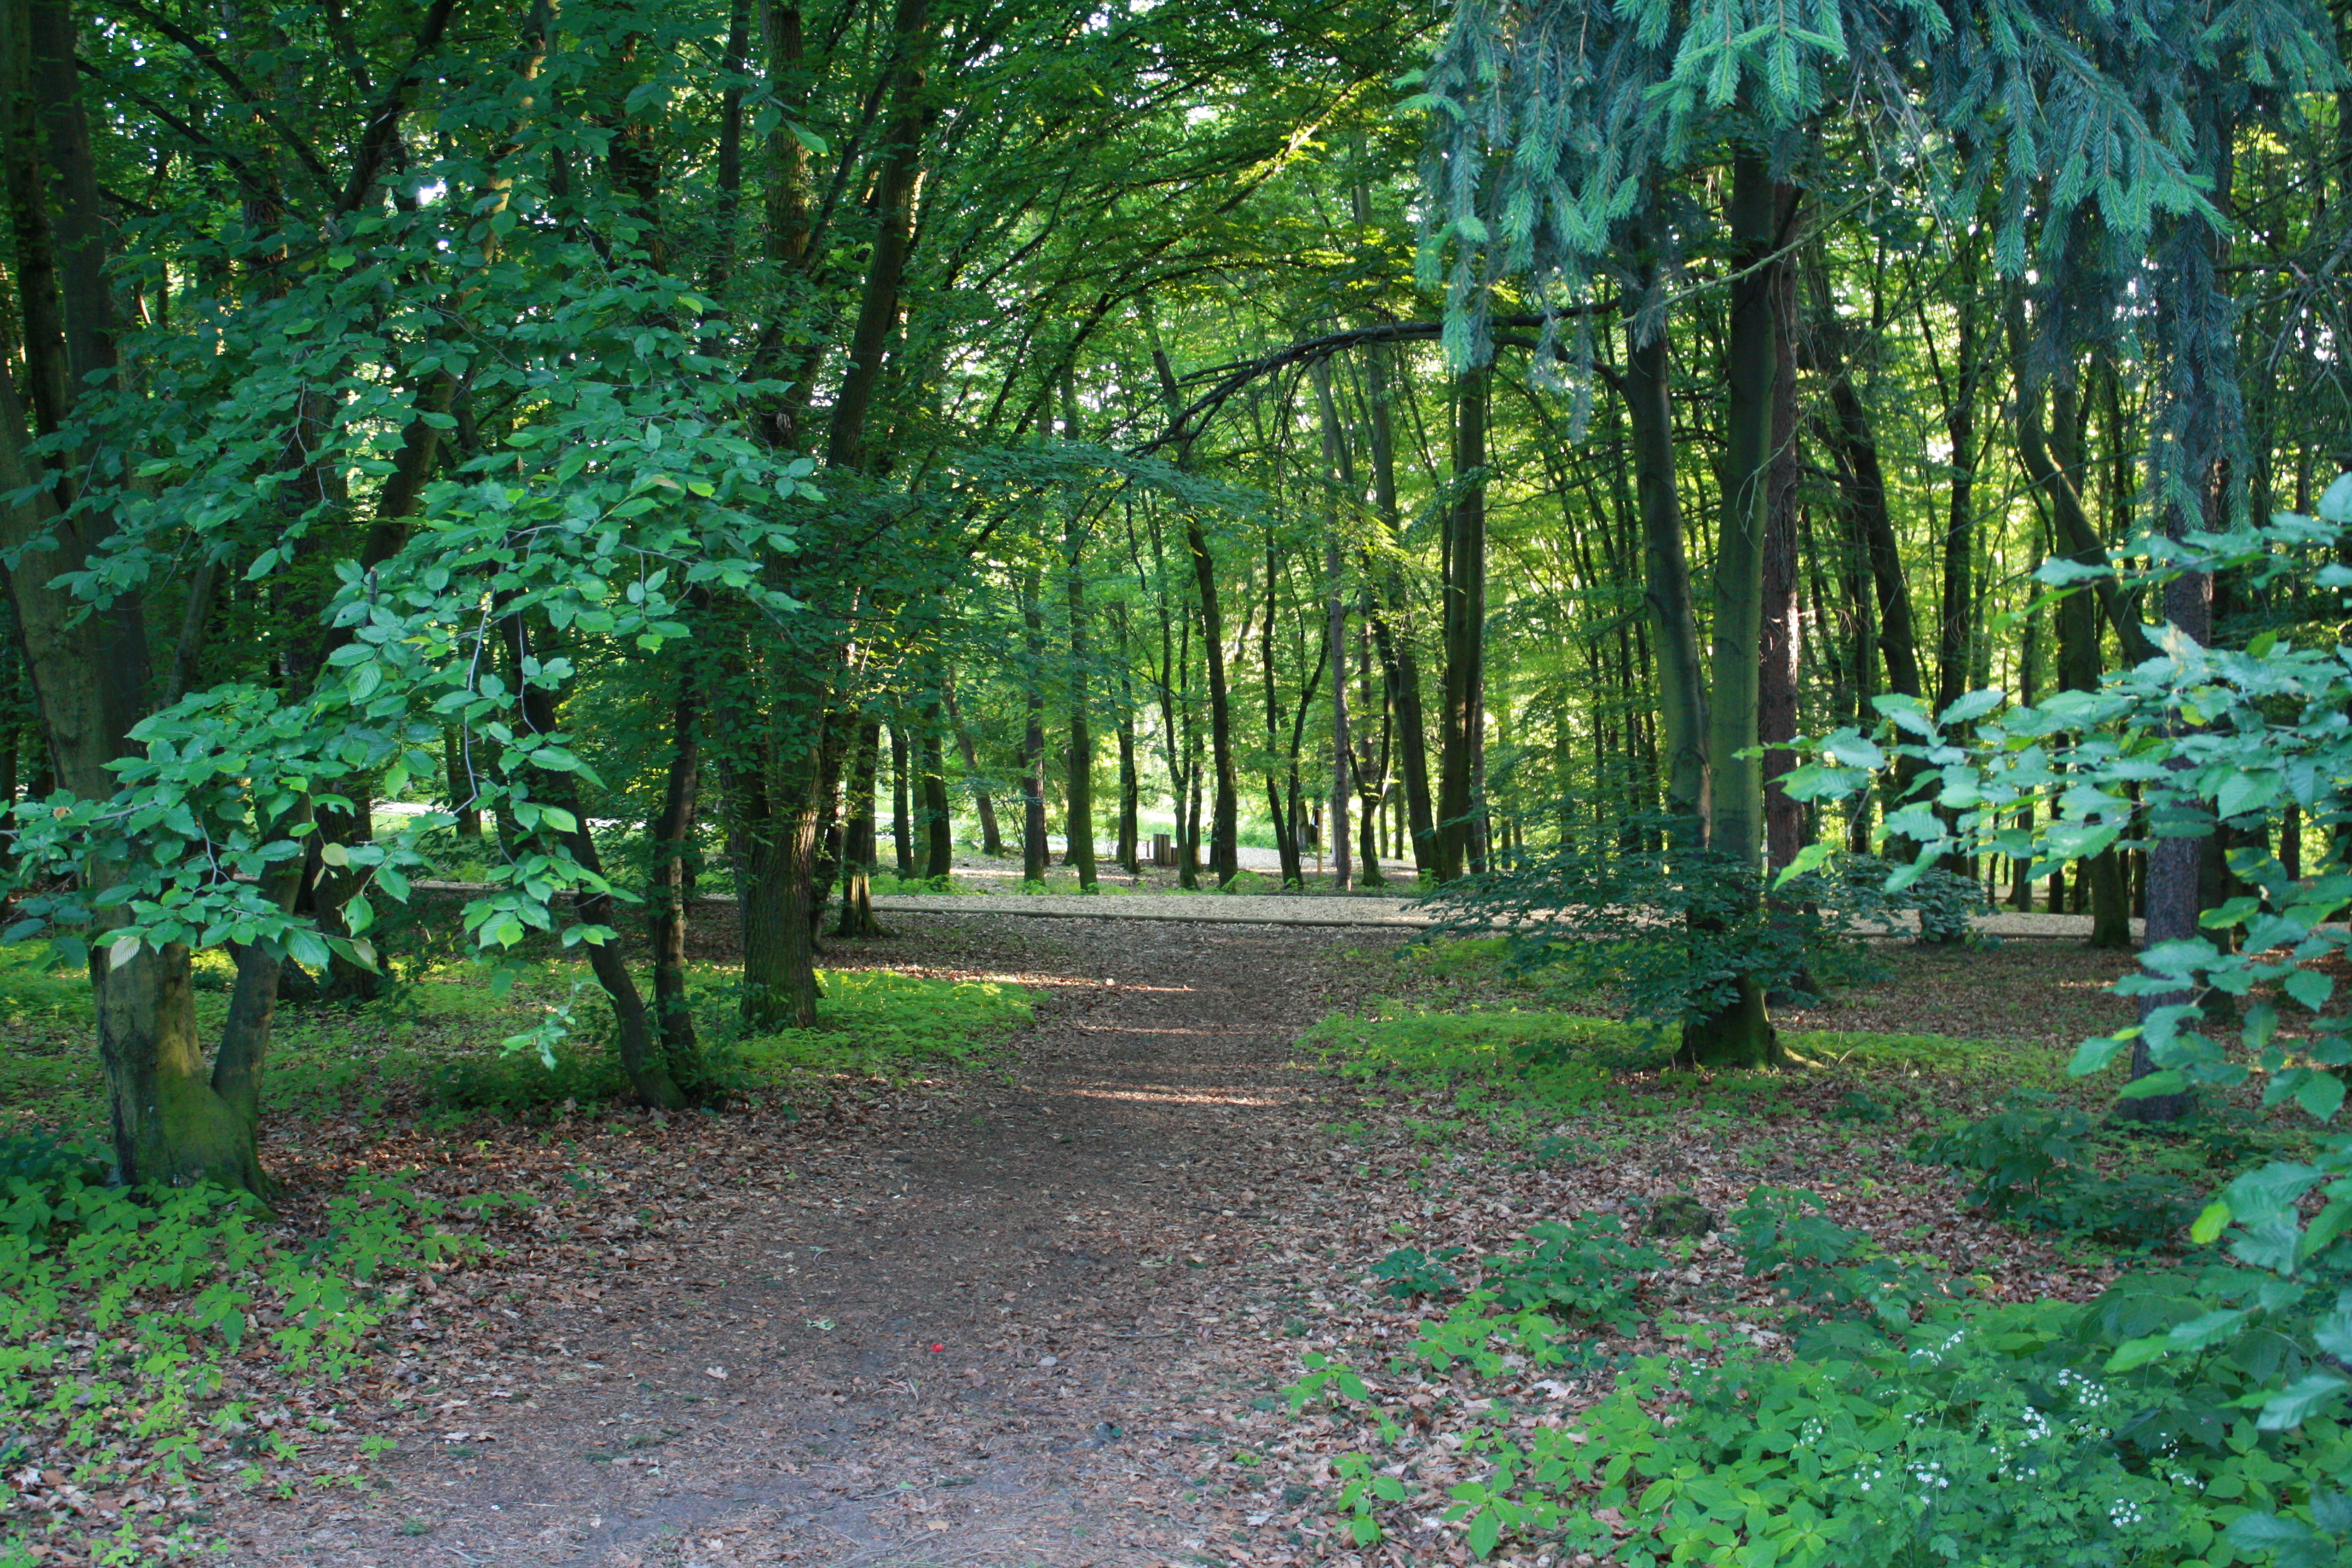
x=2038, y=1163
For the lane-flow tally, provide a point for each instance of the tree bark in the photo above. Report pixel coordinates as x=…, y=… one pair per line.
x=1665, y=572
x=902, y=815
x=938, y=822
x=1465, y=622
x=672, y=879
x=1740, y=1035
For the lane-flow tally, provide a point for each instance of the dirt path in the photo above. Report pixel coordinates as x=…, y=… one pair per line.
x=985, y=1327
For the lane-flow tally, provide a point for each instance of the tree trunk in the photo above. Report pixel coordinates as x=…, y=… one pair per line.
x=859, y=840
x=642, y=1059
x=2076, y=614
x=1225, y=828
x=1667, y=586
x=1081, y=785
x=1342, y=470
x=1035, y=855
x=991, y=839
x=938, y=823
x=673, y=879
x=1784, y=638
x=902, y=814
x=886, y=269
x=1131, y=785
x=88, y=664
x=1465, y=622
x=781, y=805
x=1741, y=1033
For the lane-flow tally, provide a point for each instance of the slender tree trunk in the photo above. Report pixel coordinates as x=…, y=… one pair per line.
x=1082, y=740
x=1741, y=1033
x=938, y=822
x=1224, y=830
x=902, y=813
x=991, y=839
x=1288, y=822
x=1342, y=468
x=673, y=869
x=642, y=1060
x=1464, y=632
x=1667, y=586
x=1035, y=855
x=859, y=839
x=2076, y=614
x=1392, y=616
x=1130, y=789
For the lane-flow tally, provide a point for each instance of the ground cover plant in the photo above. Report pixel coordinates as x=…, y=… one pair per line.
x=163, y=1352
x=1850, y=1375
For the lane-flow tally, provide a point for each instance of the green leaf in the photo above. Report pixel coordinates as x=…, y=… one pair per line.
x=1484, y=1532
x=2292, y=1405
x=2310, y=987
x=2336, y=500
x=2091, y=1055
x=2208, y=1225
x=2321, y=1095
x=1975, y=705
x=2252, y=1532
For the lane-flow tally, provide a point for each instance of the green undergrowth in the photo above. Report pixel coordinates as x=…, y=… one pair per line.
x=1610, y=1395
x=435, y=1045
x=149, y=1339
x=1913, y=1425
x=1507, y=1052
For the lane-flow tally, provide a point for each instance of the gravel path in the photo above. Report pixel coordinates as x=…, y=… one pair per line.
x=1311, y=910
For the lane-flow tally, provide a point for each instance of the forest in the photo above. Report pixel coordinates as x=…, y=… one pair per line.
x=1702, y=646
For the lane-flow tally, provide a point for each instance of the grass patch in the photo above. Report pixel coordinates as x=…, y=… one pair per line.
x=431, y=1044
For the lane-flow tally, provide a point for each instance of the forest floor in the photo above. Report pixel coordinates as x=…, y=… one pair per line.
x=1040, y=1308
x=1042, y=1314
x=1005, y=1320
